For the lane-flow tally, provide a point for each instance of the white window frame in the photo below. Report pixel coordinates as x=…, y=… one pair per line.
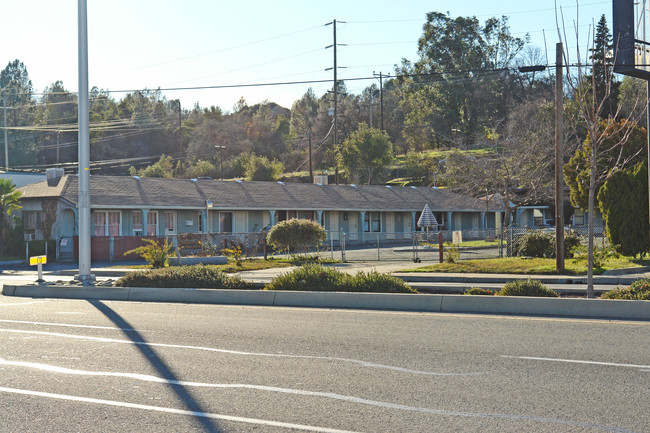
x=106, y=225
x=137, y=231
x=156, y=225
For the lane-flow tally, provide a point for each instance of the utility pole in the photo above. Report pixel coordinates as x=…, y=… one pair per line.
x=311, y=173
x=4, y=105
x=335, y=68
x=559, y=161
x=221, y=148
x=180, y=131
x=381, y=96
x=84, y=148
x=57, y=147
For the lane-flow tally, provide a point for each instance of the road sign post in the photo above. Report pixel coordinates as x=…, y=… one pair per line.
x=38, y=261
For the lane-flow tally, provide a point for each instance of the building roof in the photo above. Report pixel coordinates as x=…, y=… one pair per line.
x=120, y=192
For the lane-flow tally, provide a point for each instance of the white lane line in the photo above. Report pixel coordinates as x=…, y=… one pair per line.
x=237, y=352
x=67, y=325
x=174, y=411
x=323, y=429
x=577, y=361
x=11, y=304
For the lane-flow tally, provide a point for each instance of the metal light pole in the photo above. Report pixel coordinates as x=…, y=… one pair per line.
x=221, y=148
x=559, y=161
x=84, y=149
x=4, y=104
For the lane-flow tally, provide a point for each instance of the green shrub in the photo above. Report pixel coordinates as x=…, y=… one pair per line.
x=542, y=244
x=155, y=253
x=373, y=281
x=319, y=278
x=572, y=241
x=452, y=252
x=296, y=234
x=196, y=276
x=601, y=254
x=479, y=291
x=536, y=244
x=527, y=287
x=234, y=254
x=639, y=291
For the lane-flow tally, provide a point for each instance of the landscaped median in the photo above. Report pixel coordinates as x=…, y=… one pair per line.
x=591, y=308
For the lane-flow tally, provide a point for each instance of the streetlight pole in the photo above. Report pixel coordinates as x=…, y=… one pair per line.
x=4, y=105
x=221, y=148
x=84, y=148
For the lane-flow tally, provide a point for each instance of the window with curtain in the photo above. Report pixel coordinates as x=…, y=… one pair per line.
x=152, y=223
x=137, y=222
x=99, y=221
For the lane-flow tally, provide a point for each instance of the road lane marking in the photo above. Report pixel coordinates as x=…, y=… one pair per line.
x=174, y=411
x=9, y=304
x=68, y=325
x=577, y=361
x=509, y=417
x=237, y=352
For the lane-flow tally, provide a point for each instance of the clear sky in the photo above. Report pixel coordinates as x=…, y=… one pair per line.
x=135, y=44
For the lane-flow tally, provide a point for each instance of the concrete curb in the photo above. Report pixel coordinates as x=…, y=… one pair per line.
x=623, y=279
x=591, y=308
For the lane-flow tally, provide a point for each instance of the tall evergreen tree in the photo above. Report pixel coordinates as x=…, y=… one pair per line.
x=601, y=56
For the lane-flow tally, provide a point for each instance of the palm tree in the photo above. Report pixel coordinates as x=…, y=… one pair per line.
x=9, y=198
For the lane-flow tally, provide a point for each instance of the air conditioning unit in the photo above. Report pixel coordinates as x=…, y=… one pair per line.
x=29, y=236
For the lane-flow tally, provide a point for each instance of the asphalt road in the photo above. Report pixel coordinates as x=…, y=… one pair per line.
x=90, y=366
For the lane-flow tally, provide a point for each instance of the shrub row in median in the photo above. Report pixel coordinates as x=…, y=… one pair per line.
x=638, y=291
x=196, y=276
x=307, y=278
x=320, y=278
x=525, y=287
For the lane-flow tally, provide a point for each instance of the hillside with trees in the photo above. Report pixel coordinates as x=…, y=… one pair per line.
x=463, y=93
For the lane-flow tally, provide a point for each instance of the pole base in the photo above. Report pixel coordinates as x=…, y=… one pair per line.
x=86, y=280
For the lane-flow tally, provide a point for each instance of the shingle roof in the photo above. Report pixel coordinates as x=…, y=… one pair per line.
x=128, y=192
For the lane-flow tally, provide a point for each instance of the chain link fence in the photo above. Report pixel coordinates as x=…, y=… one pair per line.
x=514, y=237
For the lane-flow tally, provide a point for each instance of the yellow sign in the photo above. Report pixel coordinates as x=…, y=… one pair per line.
x=37, y=260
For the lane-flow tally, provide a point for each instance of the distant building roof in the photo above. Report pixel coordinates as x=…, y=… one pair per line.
x=21, y=178
x=129, y=192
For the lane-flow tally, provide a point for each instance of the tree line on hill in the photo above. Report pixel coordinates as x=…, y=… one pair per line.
x=463, y=95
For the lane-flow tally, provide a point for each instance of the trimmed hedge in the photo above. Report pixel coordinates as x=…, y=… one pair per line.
x=527, y=287
x=479, y=291
x=296, y=234
x=638, y=291
x=319, y=278
x=196, y=276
